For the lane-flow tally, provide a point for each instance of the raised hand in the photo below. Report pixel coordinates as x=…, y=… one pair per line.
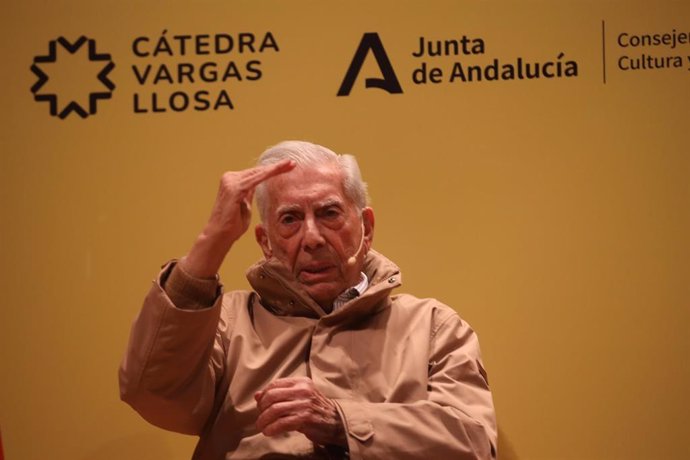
x=229, y=218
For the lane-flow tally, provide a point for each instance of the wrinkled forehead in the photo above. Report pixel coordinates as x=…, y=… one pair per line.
x=305, y=183
x=305, y=174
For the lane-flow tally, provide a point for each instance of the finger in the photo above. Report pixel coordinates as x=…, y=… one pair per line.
x=267, y=171
x=279, y=410
x=278, y=395
x=283, y=425
x=285, y=382
x=250, y=196
x=254, y=176
x=246, y=208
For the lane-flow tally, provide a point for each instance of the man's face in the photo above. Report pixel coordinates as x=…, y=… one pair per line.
x=313, y=228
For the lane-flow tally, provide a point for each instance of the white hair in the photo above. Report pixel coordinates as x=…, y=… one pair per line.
x=307, y=154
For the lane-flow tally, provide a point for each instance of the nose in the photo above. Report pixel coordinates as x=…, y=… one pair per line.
x=312, y=239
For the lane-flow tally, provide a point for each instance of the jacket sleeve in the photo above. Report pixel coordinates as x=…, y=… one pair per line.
x=455, y=421
x=175, y=353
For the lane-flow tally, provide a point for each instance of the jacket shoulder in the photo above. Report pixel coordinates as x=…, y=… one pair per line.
x=440, y=312
x=429, y=304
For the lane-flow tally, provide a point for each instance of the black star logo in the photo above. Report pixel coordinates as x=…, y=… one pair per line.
x=105, y=65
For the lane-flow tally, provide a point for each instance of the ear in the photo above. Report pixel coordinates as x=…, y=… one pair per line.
x=368, y=223
x=262, y=238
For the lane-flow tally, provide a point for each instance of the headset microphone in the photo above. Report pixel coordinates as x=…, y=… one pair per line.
x=353, y=259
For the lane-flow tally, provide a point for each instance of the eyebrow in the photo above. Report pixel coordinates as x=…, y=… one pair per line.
x=288, y=208
x=329, y=202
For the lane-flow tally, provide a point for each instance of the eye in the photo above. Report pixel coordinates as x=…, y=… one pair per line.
x=331, y=212
x=287, y=219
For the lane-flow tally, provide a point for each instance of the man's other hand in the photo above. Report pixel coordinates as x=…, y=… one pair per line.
x=295, y=404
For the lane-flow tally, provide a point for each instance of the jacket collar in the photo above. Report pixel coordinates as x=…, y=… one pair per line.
x=282, y=294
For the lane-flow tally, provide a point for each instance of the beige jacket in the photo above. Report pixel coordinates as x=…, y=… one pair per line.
x=405, y=373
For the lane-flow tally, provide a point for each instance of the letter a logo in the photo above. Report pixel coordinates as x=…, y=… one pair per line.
x=389, y=82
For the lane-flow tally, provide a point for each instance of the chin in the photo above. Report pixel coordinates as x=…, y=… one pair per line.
x=322, y=295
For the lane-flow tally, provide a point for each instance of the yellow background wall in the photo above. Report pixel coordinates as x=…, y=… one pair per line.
x=553, y=214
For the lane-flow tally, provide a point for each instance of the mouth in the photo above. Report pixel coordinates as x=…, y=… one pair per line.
x=313, y=273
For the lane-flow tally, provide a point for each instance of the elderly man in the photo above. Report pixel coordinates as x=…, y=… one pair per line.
x=320, y=360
